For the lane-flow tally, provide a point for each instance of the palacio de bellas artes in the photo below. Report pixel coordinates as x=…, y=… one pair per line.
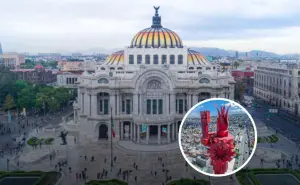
x=145, y=90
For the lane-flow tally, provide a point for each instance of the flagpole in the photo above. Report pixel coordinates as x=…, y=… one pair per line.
x=111, y=138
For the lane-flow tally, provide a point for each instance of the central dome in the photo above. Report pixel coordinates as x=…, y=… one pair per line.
x=156, y=36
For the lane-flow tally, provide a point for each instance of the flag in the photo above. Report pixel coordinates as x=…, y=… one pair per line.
x=112, y=127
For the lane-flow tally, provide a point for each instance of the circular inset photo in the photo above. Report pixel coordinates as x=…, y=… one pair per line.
x=217, y=137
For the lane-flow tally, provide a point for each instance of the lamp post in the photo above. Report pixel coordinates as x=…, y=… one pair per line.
x=85, y=170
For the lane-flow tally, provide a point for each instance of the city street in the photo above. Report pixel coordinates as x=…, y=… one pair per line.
x=277, y=122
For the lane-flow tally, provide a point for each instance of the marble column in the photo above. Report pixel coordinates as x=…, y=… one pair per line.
x=147, y=134
x=141, y=104
x=173, y=131
x=118, y=104
x=82, y=102
x=168, y=131
x=138, y=133
x=195, y=99
x=122, y=130
x=86, y=104
x=94, y=103
x=135, y=104
x=176, y=130
x=167, y=103
x=131, y=130
x=173, y=103
x=74, y=114
x=134, y=131
x=158, y=133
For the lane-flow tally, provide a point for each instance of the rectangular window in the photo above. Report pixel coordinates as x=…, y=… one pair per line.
x=180, y=106
x=131, y=59
x=101, y=105
x=180, y=59
x=172, y=59
x=155, y=59
x=160, y=106
x=164, y=59
x=154, y=106
x=123, y=106
x=147, y=59
x=185, y=105
x=148, y=106
x=176, y=105
x=128, y=107
x=139, y=59
x=106, y=106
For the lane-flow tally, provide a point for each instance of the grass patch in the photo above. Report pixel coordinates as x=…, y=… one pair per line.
x=268, y=139
x=34, y=141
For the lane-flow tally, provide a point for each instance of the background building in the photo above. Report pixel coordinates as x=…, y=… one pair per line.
x=278, y=85
x=12, y=60
x=38, y=75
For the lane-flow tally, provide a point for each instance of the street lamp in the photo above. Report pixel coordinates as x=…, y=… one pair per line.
x=85, y=170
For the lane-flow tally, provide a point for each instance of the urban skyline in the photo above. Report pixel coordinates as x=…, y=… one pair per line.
x=80, y=26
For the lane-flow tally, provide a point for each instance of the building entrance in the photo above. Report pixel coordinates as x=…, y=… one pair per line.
x=103, y=129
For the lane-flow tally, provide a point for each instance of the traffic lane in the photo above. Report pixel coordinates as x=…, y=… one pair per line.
x=287, y=128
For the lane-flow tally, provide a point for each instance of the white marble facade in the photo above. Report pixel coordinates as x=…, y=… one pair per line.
x=147, y=90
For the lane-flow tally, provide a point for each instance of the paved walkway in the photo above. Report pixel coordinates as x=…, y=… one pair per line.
x=129, y=145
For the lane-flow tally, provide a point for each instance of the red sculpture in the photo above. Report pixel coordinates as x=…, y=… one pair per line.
x=221, y=143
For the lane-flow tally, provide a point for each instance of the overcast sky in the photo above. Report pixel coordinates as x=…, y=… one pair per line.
x=82, y=25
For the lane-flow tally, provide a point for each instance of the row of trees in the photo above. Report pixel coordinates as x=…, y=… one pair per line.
x=22, y=94
x=29, y=64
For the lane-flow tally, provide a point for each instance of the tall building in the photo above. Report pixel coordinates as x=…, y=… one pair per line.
x=236, y=54
x=147, y=88
x=279, y=85
x=1, y=49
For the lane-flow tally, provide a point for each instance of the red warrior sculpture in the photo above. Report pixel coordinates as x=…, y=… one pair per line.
x=220, y=143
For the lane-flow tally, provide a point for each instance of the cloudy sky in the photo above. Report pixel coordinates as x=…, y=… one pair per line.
x=83, y=25
x=210, y=106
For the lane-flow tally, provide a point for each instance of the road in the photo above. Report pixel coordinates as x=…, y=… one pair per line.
x=278, y=122
x=243, y=147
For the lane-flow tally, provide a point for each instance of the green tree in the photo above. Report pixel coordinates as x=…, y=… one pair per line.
x=9, y=103
x=239, y=90
x=236, y=65
x=7, y=80
x=26, y=98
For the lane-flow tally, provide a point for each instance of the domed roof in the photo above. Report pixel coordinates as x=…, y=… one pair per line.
x=197, y=58
x=156, y=36
x=115, y=58
x=39, y=66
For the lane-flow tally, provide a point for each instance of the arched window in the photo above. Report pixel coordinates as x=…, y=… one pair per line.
x=103, y=68
x=208, y=68
x=139, y=59
x=180, y=59
x=103, y=81
x=204, y=81
x=172, y=59
x=155, y=59
x=147, y=59
x=120, y=68
x=164, y=59
x=112, y=68
x=199, y=68
x=191, y=68
x=131, y=59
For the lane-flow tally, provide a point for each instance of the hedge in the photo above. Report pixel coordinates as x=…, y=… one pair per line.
x=44, y=177
x=268, y=139
x=189, y=182
x=244, y=176
x=107, y=182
